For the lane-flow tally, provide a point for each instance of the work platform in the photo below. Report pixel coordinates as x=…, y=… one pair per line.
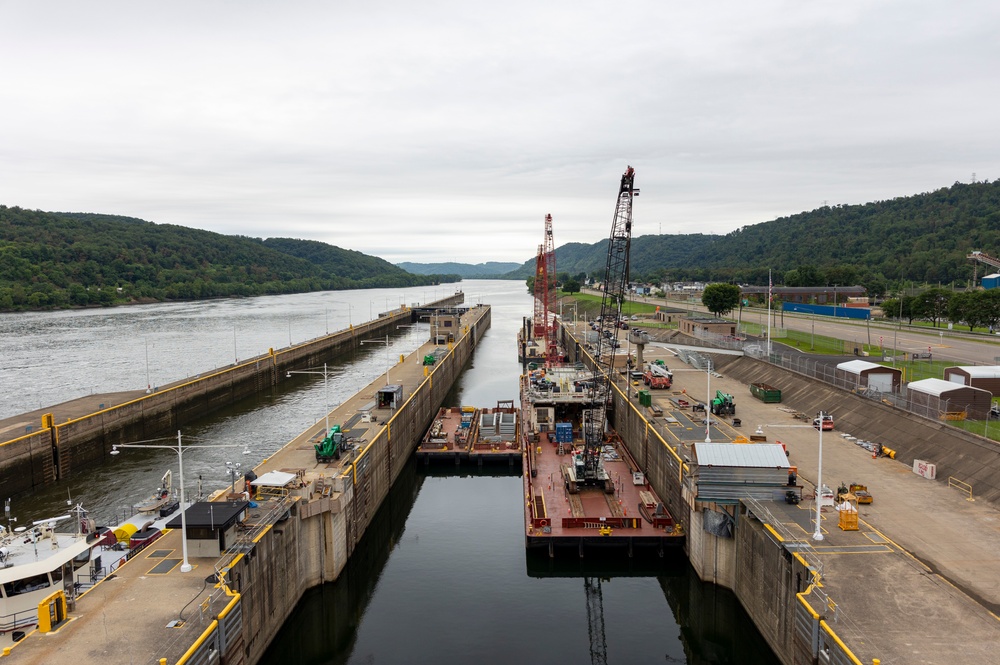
x=305, y=518
x=917, y=583
x=467, y=434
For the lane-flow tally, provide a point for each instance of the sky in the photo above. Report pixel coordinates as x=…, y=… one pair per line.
x=446, y=131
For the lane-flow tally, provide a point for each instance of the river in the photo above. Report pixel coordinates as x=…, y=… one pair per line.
x=442, y=576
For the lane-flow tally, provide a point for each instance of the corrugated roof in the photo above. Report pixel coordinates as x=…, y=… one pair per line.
x=979, y=371
x=764, y=455
x=936, y=386
x=857, y=366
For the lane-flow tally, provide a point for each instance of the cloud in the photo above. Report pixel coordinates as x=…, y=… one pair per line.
x=446, y=130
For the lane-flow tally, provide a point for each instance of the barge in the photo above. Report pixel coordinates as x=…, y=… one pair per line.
x=565, y=507
x=473, y=434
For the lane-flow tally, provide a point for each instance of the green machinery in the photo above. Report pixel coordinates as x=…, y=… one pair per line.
x=328, y=449
x=724, y=404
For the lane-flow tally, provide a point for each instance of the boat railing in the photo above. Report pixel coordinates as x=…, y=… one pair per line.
x=16, y=620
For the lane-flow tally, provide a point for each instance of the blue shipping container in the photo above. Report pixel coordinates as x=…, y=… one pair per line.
x=564, y=432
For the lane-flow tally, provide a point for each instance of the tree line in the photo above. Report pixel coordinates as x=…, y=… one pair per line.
x=55, y=260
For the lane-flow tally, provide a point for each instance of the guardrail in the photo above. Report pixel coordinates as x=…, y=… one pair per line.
x=963, y=487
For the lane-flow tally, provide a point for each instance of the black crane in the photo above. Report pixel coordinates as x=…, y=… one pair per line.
x=590, y=470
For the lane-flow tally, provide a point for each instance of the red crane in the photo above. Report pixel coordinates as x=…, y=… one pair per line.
x=543, y=325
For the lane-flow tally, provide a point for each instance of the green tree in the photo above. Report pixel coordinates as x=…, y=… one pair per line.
x=571, y=286
x=720, y=298
x=933, y=304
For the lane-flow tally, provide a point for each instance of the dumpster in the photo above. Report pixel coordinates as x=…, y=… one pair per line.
x=765, y=393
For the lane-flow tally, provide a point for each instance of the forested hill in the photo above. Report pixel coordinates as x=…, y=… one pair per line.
x=490, y=269
x=77, y=259
x=924, y=238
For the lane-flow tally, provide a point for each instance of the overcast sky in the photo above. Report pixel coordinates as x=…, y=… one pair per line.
x=445, y=131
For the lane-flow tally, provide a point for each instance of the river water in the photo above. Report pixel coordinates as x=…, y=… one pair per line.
x=442, y=576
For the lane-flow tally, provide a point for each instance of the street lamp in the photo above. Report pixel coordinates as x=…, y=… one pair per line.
x=149, y=386
x=179, y=449
x=326, y=389
x=386, y=342
x=708, y=400
x=233, y=469
x=818, y=534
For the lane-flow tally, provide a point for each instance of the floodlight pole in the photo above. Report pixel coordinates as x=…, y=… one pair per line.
x=179, y=449
x=818, y=533
x=326, y=390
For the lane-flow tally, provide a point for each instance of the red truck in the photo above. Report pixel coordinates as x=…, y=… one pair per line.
x=658, y=376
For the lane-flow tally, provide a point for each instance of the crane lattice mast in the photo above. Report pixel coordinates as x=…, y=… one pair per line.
x=544, y=326
x=616, y=273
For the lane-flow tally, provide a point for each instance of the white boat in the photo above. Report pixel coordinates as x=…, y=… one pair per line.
x=162, y=497
x=37, y=561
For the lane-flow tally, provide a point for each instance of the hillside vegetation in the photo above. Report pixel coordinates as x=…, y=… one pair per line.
x=923, y=239
x=76, y=259
x=488, y=270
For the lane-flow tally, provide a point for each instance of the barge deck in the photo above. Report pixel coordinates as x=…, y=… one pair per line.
x=624, y=510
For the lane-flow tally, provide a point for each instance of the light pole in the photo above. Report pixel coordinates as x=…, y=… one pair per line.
x=179, y=449
x=326, y=389
x=818, y=534
x=233, y=468
x=386, y=342
x=708, y=401
x=149, y=386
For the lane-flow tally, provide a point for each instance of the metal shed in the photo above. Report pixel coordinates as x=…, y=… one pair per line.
x=947, y=397
x=389, y=397
x=985, y=377
x=863, y=374
x=728, y=472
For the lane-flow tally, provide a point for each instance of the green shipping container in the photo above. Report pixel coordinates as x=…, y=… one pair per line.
x=765, y=393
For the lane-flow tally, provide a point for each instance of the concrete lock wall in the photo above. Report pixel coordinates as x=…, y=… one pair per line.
x=26, y=462
x=314, y=543
x=957, y=453
x=377, y=466
x=78, y=443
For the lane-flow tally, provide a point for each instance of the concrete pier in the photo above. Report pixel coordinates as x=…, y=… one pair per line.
x=298, y=533
x=43, y=446
x=916, y=583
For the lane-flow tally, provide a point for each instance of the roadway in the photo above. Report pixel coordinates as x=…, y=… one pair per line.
x=962, y=347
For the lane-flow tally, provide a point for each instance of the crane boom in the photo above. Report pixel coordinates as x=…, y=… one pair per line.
x=544, y=326
x=615, y=283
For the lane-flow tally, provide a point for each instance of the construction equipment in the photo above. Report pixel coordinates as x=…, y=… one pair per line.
x=588, y=468
x=543, y=325
x=329, y=448
x=861, y=493
x=658, y=376
x=827, y=422
x=724, y=404
x=981, y=257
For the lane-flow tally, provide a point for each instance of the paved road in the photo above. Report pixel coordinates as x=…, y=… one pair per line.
x=957, y=345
